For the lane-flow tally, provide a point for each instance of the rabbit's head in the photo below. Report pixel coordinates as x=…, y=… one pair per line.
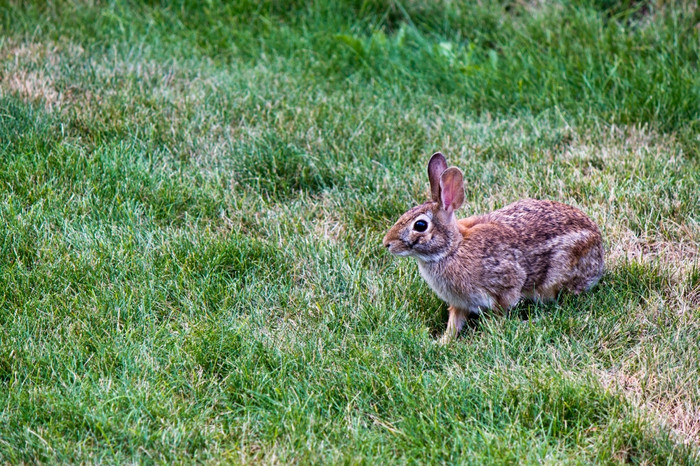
x=429, y=231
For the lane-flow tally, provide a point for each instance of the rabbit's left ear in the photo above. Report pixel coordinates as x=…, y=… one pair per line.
x=436, y=167
x=451, y=189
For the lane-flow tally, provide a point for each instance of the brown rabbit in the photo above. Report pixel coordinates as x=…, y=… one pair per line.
x=532, y=249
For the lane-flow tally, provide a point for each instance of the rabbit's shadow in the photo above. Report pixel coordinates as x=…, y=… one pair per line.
x=526, y=310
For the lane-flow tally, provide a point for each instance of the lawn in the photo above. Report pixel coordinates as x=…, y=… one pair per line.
x=192, y=202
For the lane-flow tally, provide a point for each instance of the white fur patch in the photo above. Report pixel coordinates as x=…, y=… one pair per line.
x=472, y=302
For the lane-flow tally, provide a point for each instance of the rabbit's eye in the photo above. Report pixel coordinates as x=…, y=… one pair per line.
x=420, y=225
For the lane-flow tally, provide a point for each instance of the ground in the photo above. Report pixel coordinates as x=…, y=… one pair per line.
x=192, y=202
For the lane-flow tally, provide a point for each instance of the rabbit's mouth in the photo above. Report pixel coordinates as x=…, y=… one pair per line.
x=397, y=248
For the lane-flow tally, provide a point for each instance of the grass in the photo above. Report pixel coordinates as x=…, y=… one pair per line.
x=192, y=201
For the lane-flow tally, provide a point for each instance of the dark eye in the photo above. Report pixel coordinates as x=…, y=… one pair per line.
x=420, y=225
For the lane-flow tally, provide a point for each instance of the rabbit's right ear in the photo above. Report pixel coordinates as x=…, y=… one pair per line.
x=436, y=167
x=451, y=190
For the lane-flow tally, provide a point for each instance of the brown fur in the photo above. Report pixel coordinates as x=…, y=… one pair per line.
x=531, y=248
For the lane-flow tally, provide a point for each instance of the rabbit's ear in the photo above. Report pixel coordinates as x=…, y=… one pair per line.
x=436, y=167
x=451, y=189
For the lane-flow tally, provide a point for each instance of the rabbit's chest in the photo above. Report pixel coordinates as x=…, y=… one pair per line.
x=456, y=293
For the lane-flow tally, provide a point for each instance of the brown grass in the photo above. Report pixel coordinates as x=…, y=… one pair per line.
x=673, y=410
x=34, y=86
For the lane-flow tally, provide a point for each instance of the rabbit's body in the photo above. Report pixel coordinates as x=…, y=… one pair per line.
x=531, y=248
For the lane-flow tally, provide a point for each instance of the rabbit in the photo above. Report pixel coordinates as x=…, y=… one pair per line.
x=530, y=249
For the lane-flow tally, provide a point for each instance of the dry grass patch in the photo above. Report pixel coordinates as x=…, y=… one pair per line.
x=619, y=160
x=32, y=70
x=678, y=257
x=33, y=86
x=673, y=410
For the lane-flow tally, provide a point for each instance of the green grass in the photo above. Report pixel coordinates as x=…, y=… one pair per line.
x=192, y=201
